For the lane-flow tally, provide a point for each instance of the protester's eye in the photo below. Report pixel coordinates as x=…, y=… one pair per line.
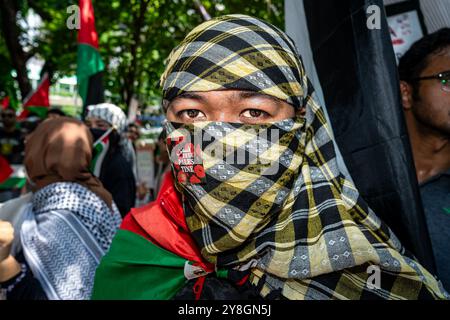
x=191, y=114
x=103, y=125
x=254, y=113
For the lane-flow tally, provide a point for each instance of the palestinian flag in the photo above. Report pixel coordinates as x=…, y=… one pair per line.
x=133, y=260
x=152, y=255
x=38, y=101
x=16, y=178
x=89, y=62
x=362, y=99
x=101, y=147
x=5, y=169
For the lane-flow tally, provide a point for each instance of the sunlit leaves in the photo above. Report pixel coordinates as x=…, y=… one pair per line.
x=164, y=25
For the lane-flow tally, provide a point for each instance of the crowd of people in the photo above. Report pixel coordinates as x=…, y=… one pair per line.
x=291, y=225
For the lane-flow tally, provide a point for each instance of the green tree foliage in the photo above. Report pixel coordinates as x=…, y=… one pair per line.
x=135, y=37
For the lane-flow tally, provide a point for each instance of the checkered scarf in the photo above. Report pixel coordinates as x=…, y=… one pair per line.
x=303, y=231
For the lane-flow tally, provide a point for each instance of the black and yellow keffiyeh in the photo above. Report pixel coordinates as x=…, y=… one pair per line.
x=304, y=231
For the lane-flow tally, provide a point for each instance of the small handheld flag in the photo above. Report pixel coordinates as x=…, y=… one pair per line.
x=5, y=169
x=101, y=147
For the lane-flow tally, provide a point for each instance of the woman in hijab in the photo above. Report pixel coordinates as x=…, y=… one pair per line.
x=256, y=205
x=117, y=169
x=71, y=219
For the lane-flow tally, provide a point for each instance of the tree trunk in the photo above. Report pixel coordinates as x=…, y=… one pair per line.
x=11, y=33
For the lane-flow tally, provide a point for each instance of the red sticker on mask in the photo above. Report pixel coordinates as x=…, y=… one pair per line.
x=187, y=160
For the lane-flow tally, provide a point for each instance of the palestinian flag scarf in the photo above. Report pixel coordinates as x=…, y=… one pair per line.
x=159, y=273
x=153, y=255
x=89, y=63
x=307, y=230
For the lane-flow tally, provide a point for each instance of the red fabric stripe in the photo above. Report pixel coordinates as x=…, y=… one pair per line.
x=198, y=287
x=243, y=280
x=23, y=114
x=5, y=102
x=40, y=96
x=87, y=33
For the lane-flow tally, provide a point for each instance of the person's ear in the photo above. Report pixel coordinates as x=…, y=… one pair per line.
x=406, y=92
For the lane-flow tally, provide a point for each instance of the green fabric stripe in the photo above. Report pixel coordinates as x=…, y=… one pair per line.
x=136, y=269
x=96, y=154
x=89, y=62
x=40, y=111
x=13, y=183
x=222, y=273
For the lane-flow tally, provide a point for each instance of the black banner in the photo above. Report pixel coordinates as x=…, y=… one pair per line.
x=357, y=69
x=95, y=94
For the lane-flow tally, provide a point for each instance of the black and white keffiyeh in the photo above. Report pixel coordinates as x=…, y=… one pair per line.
x=66, y=232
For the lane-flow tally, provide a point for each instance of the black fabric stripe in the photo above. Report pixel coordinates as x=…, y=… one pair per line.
x=266, y=35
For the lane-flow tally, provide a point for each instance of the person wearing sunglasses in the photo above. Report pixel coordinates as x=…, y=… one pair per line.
x=425, y=90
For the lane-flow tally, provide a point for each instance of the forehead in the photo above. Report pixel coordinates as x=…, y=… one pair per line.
x=229, y=96
x=438, y=62
x=97, y=120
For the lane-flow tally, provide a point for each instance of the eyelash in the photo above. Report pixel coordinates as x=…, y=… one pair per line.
x=263, y=114
x=184, y=112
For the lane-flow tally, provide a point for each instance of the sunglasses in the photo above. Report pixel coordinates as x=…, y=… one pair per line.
x=443, y=77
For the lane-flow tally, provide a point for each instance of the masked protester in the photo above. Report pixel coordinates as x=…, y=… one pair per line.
x=113, y=163
x=70, y=223
x=284, y=224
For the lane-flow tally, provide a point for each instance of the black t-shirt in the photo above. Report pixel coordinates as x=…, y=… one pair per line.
x=12, y=146
x=28, y=288
x=435, y=194
x=118, y=178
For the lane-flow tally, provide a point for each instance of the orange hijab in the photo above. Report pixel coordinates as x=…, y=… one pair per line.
x=60, y=150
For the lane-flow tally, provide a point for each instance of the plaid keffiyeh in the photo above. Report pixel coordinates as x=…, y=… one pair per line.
x=302, y=230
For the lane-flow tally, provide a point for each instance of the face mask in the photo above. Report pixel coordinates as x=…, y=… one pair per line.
x=234, y=175
x=97, y=133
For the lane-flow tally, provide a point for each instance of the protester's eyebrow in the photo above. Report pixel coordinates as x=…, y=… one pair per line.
x=251, y=94
x=191, y=95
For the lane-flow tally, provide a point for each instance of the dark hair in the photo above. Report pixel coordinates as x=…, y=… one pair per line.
x=8, y=108
x=56, y=111
x=416, y=59
x=162, y=136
